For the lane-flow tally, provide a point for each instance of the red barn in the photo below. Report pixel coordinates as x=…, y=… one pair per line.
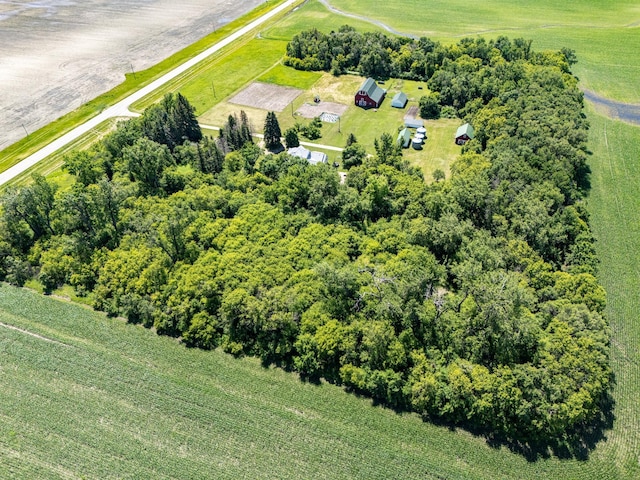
x=464, y=134
x=369, y=95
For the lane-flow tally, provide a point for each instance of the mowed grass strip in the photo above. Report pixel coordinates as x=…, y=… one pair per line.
x=290, y=77
x=52, y=167
x=222, y=74
x=117, y=401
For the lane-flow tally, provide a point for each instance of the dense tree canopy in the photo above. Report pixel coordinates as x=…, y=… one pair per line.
x=471, y=299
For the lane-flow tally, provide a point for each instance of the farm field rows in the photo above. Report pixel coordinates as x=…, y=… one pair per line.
x=173, y=412
x=97, y=398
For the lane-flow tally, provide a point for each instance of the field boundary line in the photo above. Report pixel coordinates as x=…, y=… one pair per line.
x=27, y=332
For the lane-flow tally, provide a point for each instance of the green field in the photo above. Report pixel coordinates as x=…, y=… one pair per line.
x=120, y=402
x=615, y=218
x=98, y=398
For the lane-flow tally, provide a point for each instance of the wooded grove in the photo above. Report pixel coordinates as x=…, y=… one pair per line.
x=471, y=300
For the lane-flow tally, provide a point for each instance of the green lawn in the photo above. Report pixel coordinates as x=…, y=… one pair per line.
x=290, y=77
x=439, y=151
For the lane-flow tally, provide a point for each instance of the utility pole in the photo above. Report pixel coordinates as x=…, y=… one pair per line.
x=214, y=90
x=25, y=130
x=132, y=71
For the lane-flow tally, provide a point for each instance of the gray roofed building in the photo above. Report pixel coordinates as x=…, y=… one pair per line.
x=399, y=100
x=312, y=157
x=369, y=95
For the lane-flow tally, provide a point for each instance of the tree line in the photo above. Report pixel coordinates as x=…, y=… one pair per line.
x=471, y=300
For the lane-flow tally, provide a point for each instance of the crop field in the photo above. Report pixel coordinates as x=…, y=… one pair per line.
x=134, y=81
x=87, y=396
x=113, y=400
x=614, y=205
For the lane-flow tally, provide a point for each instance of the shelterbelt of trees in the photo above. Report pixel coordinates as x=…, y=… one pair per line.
x=470, y=300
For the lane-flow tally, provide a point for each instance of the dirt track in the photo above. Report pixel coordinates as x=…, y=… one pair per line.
x=57, y=54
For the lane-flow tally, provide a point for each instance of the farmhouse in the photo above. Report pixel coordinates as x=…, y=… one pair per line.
x=399, y=100
x=369, y=95
x=312, y=157
x=464, y=134
x=404, y=137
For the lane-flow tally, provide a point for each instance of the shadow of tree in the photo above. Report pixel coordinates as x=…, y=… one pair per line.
x=576, y=444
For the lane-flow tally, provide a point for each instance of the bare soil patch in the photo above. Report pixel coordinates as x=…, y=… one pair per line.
x=411, y=113
x=312, y=110
x=56, y=55
x=266, y=96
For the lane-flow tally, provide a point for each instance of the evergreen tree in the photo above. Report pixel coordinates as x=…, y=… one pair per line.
x=272, y=132
x=245, y=128
x=171, y=122
x=235, y=133
x=184, y=120
x=291, y=138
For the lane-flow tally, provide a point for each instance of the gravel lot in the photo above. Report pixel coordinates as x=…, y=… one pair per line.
x=57, y=54
x=266, y=96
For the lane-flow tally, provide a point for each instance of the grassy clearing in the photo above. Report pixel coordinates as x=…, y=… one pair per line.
x=114, y=400
x=223, y=73
x=36, y=140
x=290, y=77
x=367, y=125
x=439, y=151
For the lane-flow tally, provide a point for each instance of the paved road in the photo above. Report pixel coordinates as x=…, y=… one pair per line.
x=121, y=109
